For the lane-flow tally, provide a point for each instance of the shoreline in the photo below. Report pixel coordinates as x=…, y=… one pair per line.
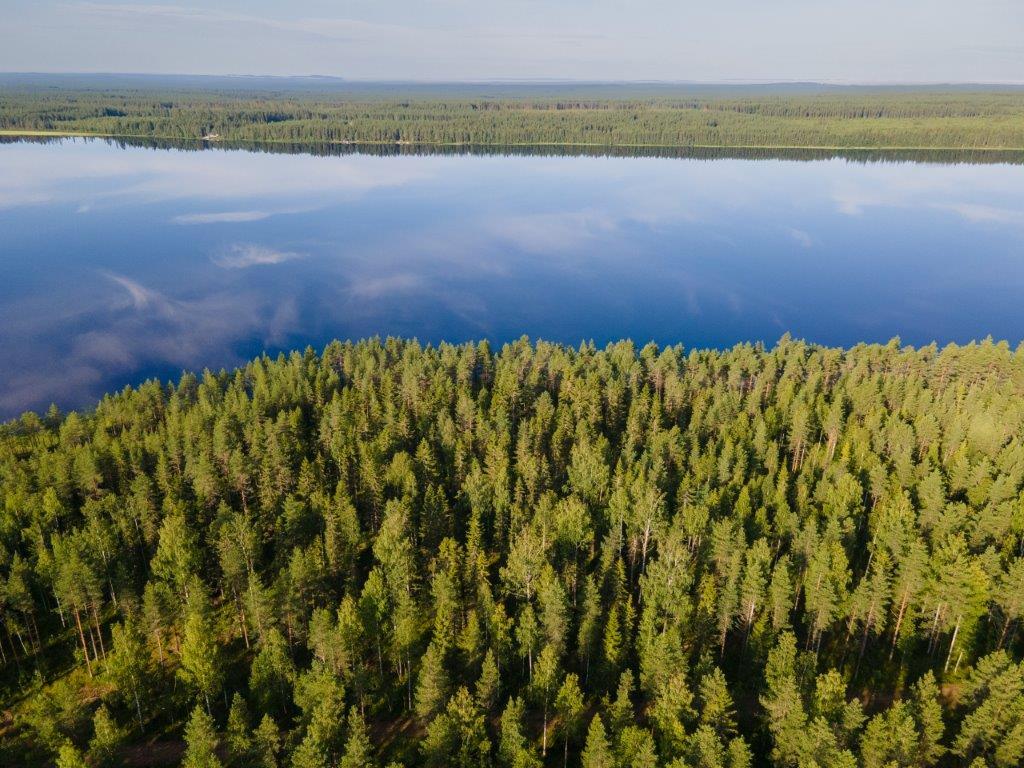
x=228, y=142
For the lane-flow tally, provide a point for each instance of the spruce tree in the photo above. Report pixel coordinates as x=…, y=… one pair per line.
x=200, y=741
x=597, y=753
x=200, y=657
x=358, y=752
x=569, y=705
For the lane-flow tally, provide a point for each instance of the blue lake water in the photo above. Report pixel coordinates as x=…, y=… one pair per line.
x=121, y=263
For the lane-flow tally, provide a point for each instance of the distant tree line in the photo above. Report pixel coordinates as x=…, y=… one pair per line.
x=395, y=554
x=324, y=149
x=927, y=119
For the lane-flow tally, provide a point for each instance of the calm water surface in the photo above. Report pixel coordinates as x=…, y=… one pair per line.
x=117, y=264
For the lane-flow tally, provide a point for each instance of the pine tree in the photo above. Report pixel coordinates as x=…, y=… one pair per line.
x=431, y=684
x=177, y=557
x=107, y=737
x=238, y=733
x=753, y=582
x=597, y=753
x=635, y=748
x=780, y=592
x=200, y=657
x=716, y=705
x=200, y=741
x=993, y=730
x=544, y=686
x=358, y=752
x=513, y=747
x=569, y=705
x=890, y=738
x=621, y=712
x=272, y=674
x=267, y=743
x=457, y=737
x=528, y=636
x=321, y=697
x=927, y=713
x=130, y=665
x=784, y=707
x=488, y=685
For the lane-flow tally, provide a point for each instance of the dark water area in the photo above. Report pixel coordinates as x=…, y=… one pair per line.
x=119, y=262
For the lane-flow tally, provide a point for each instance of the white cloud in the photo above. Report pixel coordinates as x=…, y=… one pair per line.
x=940, y=187
x=104, y=339
x=15, y=198
x=390, y=285
x=978, y=213
x=801, y=237
x=553, y=232
x=90, y=173
x=245, y=255
x=224, y=217
x=142, y=298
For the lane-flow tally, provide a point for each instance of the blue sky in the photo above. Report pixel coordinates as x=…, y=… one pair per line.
x=832, y=40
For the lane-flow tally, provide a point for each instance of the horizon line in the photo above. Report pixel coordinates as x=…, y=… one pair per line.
x=834, y=82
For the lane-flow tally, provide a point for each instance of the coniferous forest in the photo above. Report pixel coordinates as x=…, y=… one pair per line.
x=634, y=117
x=391, y=554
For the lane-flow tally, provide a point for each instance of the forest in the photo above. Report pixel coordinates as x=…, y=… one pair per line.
x=831, y=118
x=391, y=554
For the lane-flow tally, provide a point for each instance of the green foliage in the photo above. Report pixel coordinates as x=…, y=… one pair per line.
x=200, y=667
x=569, y=705
x=597, y=753
x=358, y=751
x=272, y=674
x=107, y=737
x=54, y=714
x=200, y=741
x=994, y=729
x=513, y=746
x=457, y=737
x=267, y=743
x=883, y=118
x=130, y=666
x=792, y=556
x=432, y=684
x=784, y=705
x=488, y=685
x=717, y=710
x=68, y=756
x=238, y=733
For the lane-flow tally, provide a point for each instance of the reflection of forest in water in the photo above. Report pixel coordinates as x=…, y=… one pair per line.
x=941, y=156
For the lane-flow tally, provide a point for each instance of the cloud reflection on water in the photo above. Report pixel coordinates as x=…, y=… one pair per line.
x=125, y=263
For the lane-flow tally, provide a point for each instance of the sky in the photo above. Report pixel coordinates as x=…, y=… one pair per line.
x=860, y=41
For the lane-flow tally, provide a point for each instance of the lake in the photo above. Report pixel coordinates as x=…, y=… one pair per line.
x=120, y=263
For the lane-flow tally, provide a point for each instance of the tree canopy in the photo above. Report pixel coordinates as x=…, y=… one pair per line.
x=390, y=553
x=891, y=119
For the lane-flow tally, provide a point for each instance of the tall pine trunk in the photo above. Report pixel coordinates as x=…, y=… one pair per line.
x=81, y=636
